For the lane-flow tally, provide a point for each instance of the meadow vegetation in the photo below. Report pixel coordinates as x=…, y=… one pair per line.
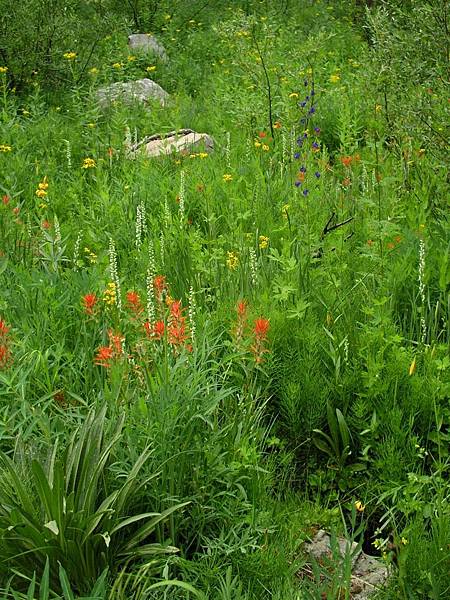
x=206, y=357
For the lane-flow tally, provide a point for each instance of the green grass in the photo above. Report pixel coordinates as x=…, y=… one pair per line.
x=300, y=359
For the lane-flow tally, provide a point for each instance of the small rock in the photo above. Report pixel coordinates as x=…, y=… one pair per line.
x=146, y=43
x=184, y=141
x=140, y=90
x=368, y=574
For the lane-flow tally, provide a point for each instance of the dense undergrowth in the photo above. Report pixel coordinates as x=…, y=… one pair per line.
x=206, y=358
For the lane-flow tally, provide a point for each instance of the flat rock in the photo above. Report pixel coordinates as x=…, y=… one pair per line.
x=183, y=141
x=368, y=573
x=148, y=44
x=141, y=90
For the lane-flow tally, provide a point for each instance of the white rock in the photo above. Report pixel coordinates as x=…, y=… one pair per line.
x=146, y=43
x=184, y=141
x=140, y=90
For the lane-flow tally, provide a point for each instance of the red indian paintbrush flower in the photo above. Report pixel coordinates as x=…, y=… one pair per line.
x=5, y=352
x=134, y=302
x=261, y=328
x=104, y=356
x=4, y=329
x=89, y=302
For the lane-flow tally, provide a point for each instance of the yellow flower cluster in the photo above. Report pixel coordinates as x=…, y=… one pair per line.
x=93, y=71
x=227, y=177
x=3, y=69
x=109, y=295
x=41, y=192
x=91, y=256
x=117, y=65
x=5, y=148
x=263, y=241
x=199, y=155
x=70, y=55
x=151, y=69
x=232, y=260
x=88, y=163
x=335, y=78
x=265, y=147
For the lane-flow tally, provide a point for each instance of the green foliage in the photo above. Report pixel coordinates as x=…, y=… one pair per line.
x=235, y=334
x=63, y=513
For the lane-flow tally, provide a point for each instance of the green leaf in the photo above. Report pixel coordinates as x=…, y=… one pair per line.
x=65, y=585
x=44, y=587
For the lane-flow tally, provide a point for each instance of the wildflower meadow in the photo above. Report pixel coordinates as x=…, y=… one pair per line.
x=224, y=300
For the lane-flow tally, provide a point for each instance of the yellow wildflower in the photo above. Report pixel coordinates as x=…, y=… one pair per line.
x=42, y=205
x=404, y=541
x=41, y=193
x=263, y=242
x=117, y=65
x=5, y=148
x=70, y=55
x=258, y=144
x=232, y=260
x=167, y=17
x=359, y=506
x=203, y=154
x=335, y=77
x=109, y=295
x=3, y=69
x=227, y=177
x=88, y=163
x=131, y=58
x=150, y=69
x=378, y=107
x=265, y=147
x=293, y=95
x=93, y=71
x=91, y=125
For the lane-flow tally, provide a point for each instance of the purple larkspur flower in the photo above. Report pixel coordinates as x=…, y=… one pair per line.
x=297, y=155
x=313, y=93
x=315, y=145
x=312, y=110
x=302, y=121
x=303, y=169
x=305, y=192
x=317, y=174
x=302, y=104
x=317, y=130
x=305, y=83
x=298, y=183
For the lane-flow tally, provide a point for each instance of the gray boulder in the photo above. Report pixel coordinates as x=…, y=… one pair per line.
x=146, y=44
x=183, y=141
x=141, y=90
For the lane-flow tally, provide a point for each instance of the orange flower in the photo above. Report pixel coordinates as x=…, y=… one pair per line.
x=158, y=330
x=5, y=199
x=262, y=134
x=242, y=308
x=346, y=182
x=115, y=342
x=46, y=224
x=134, y=302
x=277, y=125
x=89, y=302
x=4, y=329
x=346, y=160
x=104, y=355
x=261, y=328
x=301, y=176
x=160, y=286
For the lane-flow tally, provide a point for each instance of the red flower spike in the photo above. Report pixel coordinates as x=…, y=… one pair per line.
x=89, y=302
x=104, y=355
x=261, y=328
